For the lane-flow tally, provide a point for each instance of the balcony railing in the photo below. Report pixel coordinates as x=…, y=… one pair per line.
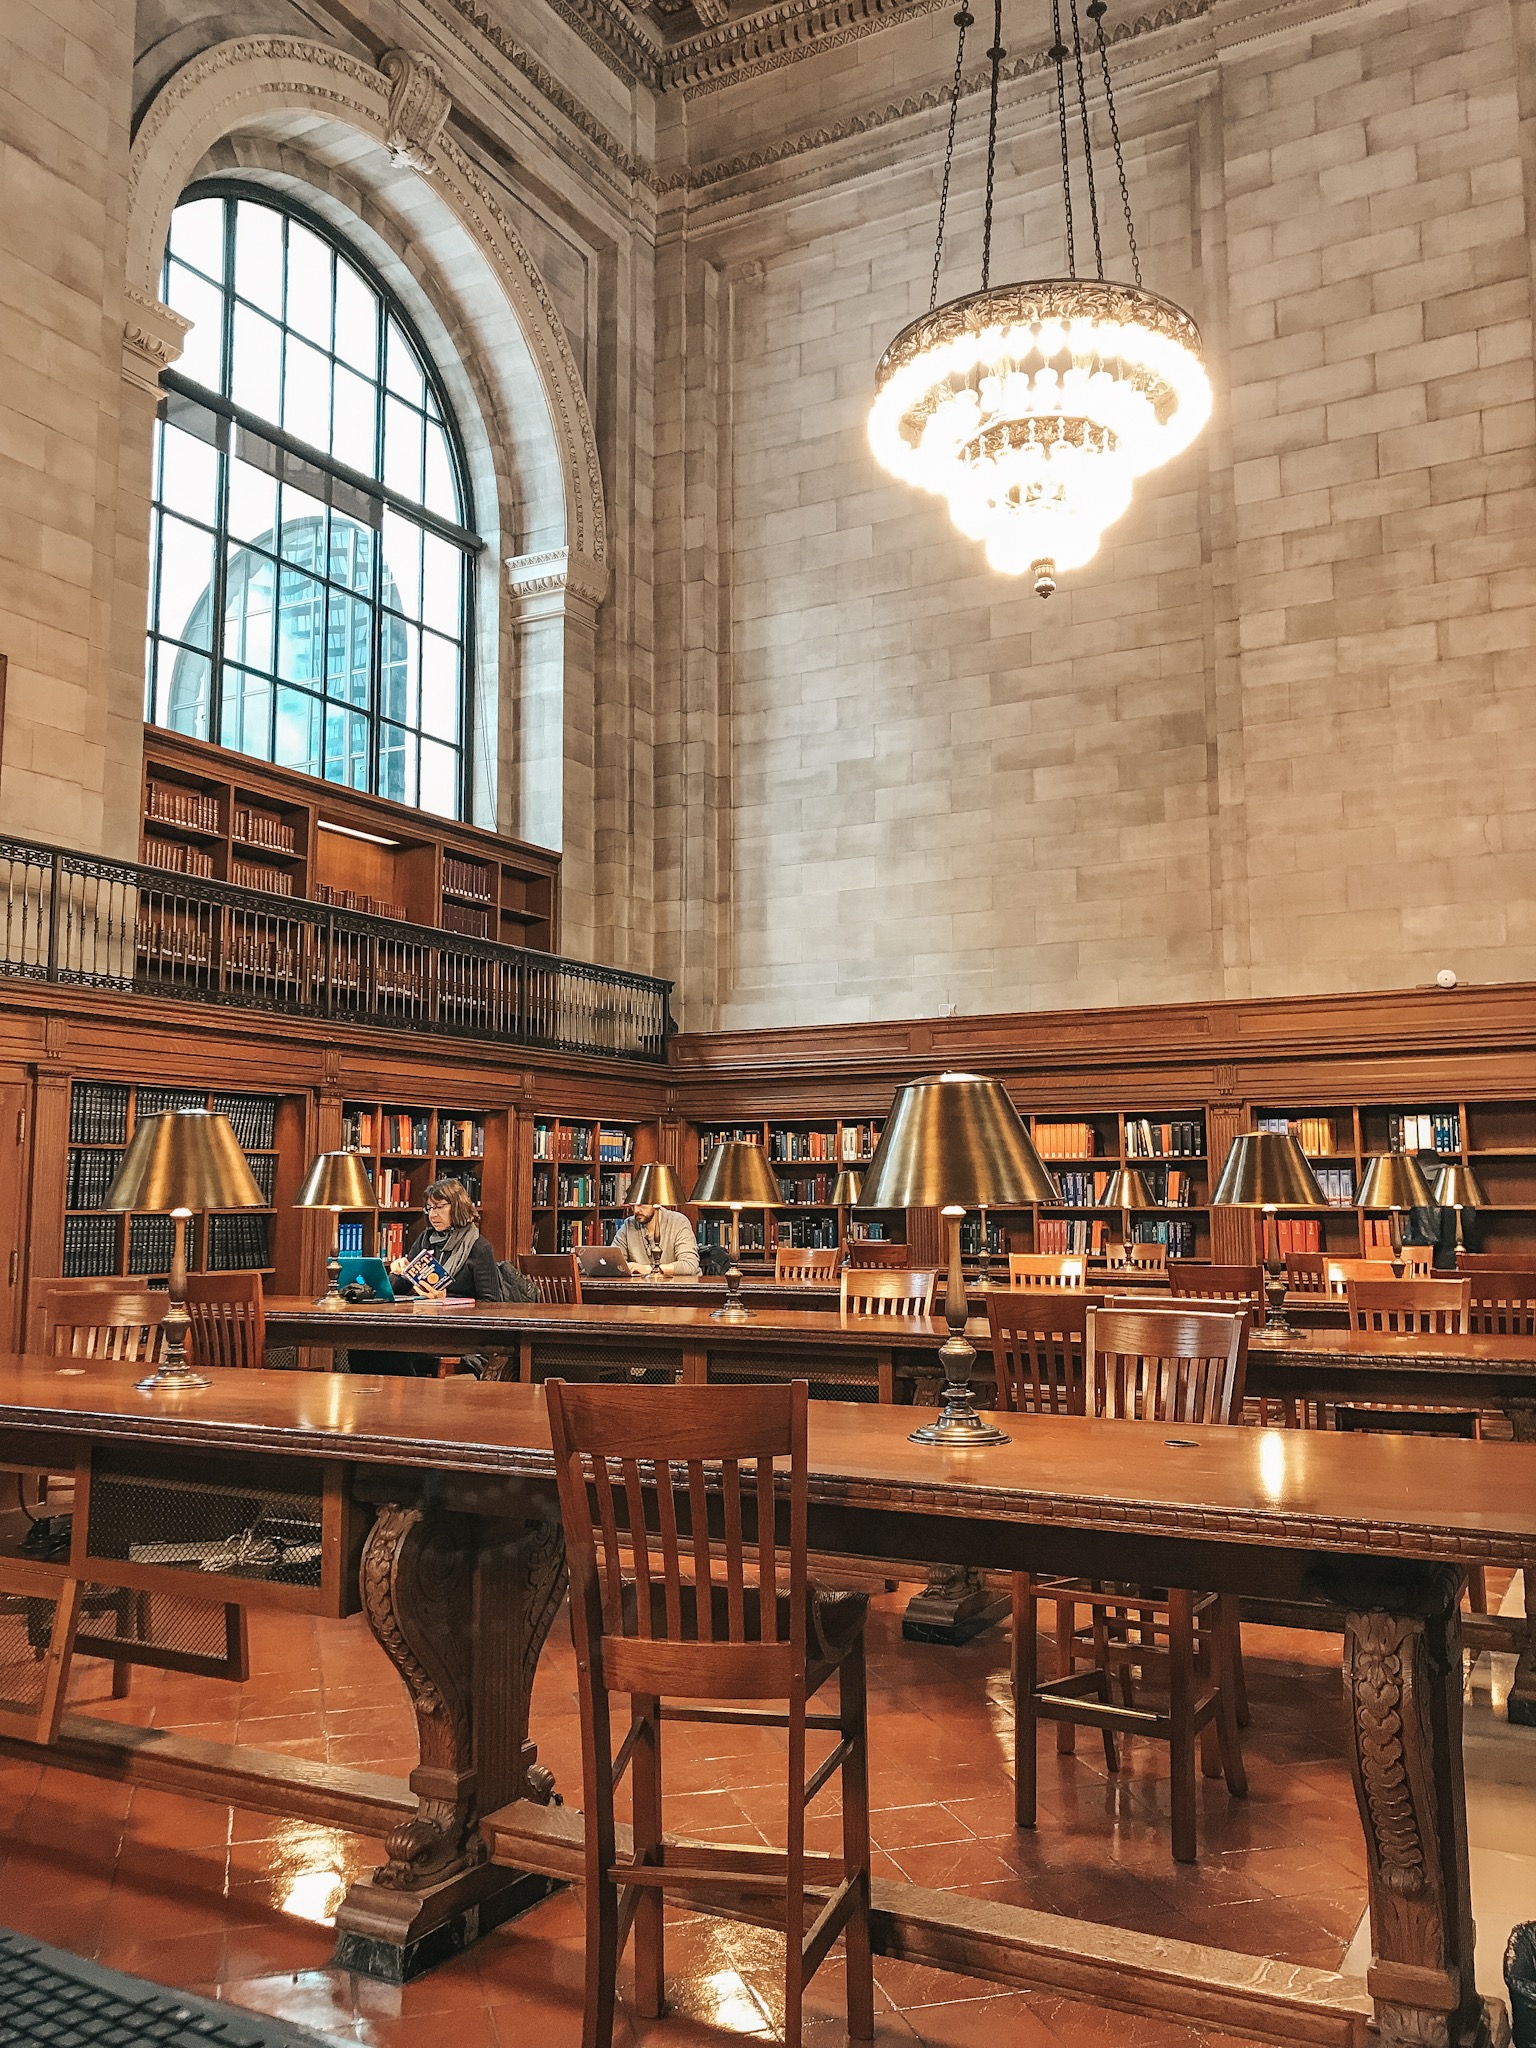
x=73, y=918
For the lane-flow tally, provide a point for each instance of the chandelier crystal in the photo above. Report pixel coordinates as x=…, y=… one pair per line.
x=1033, y=408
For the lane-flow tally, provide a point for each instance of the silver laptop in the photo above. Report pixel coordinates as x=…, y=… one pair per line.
x=600, y=1262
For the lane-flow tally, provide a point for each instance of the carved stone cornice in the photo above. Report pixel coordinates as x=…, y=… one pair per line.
x=153, y=337
x=419, y=107
x=560, y=574
x=724, y=52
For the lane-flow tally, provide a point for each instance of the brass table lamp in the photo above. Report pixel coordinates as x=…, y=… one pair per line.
x=1268, y=1170
x=337, y=1181
x=178, y=1162
x=1126, y=1191
x=845, y=1196
x=655, y=1185
x=1458, y=1187
x=1394, y=1181
x=735, y=1176
x=954, y=1142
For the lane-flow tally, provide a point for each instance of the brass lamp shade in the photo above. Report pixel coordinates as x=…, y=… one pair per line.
x=1127, y=1189
x=1458, y=1187
x=1393, y=1180
x=1267, y=1170
x=845, y=1190
x=657, y=1186
x=736, y=1176
x=184, y=1159
x=337, y=1180
x=955, y=1141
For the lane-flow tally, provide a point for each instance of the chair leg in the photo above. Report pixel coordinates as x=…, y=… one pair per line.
x=602, y=1900
x=1229, y=1624
x=1106, y=1685
x=1229, y=1658
x=1025, y=1728
x=645, y=1781
x=1477, y=1589
x=1181, y=1721
x=1207, y=1665
x=794, y=1879
x=1066, y=1658
x=853, y=1728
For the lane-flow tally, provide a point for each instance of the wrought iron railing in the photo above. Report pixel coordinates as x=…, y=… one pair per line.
x=74, y=918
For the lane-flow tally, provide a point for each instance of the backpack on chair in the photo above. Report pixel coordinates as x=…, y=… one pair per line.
x=515, y=1285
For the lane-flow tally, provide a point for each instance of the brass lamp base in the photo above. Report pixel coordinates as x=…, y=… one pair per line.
x=332, y=1297
x=733, y=1309
x=173, y=1375
x=957, y=1422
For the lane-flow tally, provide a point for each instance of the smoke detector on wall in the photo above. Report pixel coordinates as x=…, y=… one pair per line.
x=1446, y=978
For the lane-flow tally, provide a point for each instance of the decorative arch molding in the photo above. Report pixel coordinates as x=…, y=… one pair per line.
x=387, y=127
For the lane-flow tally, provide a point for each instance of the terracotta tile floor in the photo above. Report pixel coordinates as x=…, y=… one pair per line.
x=235, y=1904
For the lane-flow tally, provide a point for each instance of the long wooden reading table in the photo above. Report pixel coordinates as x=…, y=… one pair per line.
x=443, y=1489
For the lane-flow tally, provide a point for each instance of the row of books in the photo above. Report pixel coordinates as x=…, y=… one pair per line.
x=809, y=1191
x=237, y=1244
x=350, y=899
x=577, y=1190
x=460, y=1137
x=613, y=1189
x=615, y=1148
x=264, y=828
x=716, y=1230
x=1314, y=1134
x=738, y=1134
x=1081, y=1190
x=802, y=1145
x=1337, y=1183
x=90, y=1246
x=89, y=1176
x=1070, y=1234
x=351, y=1242
x=1066, y=1141
x=177, y=857
x=255, y=874
x=402, y=1131
x=577, y=1230
x=562, y=1141
x=467, y=877
x=1145, y=1139
x=808, y=1233
x=860, y=1140
x=252, y=1118
x=1298, y=1234
x=98, y=1113
x=467, y=919
x=173, y=805
x=1437, y=1130
x=970, y=1238
x=392, y=1185
x=1177, y=1238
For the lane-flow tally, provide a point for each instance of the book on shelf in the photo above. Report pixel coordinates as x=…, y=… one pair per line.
x=169, y=804
x=392, y=1241
x=739, y=1134
x=970, y=1238
x=469, y=920
x=577, y=1230
x=256, y=874
x=392, y=1185
x=349, y=1238
x=872, y=1233
x=90, y=1246
x=1296, y=1234
x=459, y=1137
x=263, y=828
x=577, y=1190
x=466, y=877
x=177, y=857
x=1070, y=1234
x=860, y=1140
x=151, y=1240
x=716, y=1230
x=89, y=1175
x=1057, y=1140
x=615, y=1148
x=1314, y=1134
x=1337, y=1183
x=156, y=1101
x=237, y=1244
x=1178, y=1239
x=613, y=1189
x=543, y=1188
x=252, y=1118
x=1081, y=1190
x=1145, y=1139
x=808, y=1233
x=562, y=1141
x=801, y=1145
x=1172, y=1188
x=807, y=1190
x=1436, y=1130
x=98, y=1113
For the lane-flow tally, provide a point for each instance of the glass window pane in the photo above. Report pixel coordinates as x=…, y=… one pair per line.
x=300, y=627
x=186, y=576
x=303, y=530
x=439, y=779
x=442, y=491
x=402, y=564
x=309, y=284
x=307, y=394
x=402, y=371
x=184, y=687
x=197, y=235
x=357, y=320
x=351, y=556
x=245, y=714
x=259, y=256
x=250, y=604
x=442, y=584
x=189, y=475
x=349, y=649
x=296, y=743
x=439, y=688
x=252, y=503
x=346, y=747
x=399, y=671
x=402, y=449
x=202, y=353
x=397, y=764
x=256, y=376
x=354, y=429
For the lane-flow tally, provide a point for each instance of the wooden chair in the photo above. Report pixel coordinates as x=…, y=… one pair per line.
x=100, y=1319
x=1153, y=1256
x=1410, y=1308
x=684, y=1623
x=908, y=1293
x=1469, y=1262
x=1502, y=1302
x=1047, y=1269
x=1190, y=1281
x=1159, y=1368
x=790, y=1262
x=877, y=1251
x=1306, y=1273
x=555, y=1274
x=229, y=1319
x=1417, y=1265
x=1418, y=1259
x=1038, y=1341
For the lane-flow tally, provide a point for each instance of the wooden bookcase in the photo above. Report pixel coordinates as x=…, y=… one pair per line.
x=407, y=1147
x=215, y=814
x=100, y=1242
x=581, y=1170
x=806, y=1155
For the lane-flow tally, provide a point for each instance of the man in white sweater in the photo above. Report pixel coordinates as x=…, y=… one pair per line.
x=658, y=1242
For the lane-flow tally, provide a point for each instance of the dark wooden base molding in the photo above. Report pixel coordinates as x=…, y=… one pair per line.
x=398, y=1935
x=955, y=1606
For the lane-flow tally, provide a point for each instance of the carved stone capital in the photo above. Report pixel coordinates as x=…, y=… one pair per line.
x=419, y=106
x=153, y=337
x=557, y=580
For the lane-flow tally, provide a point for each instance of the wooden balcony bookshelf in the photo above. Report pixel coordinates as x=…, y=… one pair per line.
x=407, y=1147
x=214, y=814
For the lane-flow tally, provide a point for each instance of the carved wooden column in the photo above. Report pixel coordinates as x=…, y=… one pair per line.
x=1403, y=1679
x=461, y=1606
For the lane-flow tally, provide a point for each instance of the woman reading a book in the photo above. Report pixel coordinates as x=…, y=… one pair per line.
x=447, y=1258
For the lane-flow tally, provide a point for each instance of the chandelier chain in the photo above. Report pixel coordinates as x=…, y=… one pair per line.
x=1097, y=10
x=995, y=57
x=1082, y=102
x=963, y=21
x=1058, y=54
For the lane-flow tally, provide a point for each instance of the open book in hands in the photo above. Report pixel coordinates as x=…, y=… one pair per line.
x=424, y=1274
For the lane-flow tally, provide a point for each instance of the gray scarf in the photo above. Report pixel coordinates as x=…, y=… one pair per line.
x=453, y=1249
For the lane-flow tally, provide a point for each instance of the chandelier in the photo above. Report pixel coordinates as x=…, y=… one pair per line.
x=1033, y=408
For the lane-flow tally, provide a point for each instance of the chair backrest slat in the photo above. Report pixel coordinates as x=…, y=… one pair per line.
x=792, y=1262
x=109, y=1319
x=1153, y=1256
x=872, y=1292
x=1502, y=1302
x=703, y=1569
x=229, y=1319
x=556, y=1275
x=1156, y=1365
x=1410, y=1307
x=1047, y=1269
x=1038, y=1348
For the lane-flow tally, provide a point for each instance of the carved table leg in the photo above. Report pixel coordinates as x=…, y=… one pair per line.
x=955, y=1606
x=1522, y=1690
x=461, y=1606
x=1402, y=1676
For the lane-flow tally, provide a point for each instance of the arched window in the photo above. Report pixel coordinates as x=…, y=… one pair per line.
x=313, y=542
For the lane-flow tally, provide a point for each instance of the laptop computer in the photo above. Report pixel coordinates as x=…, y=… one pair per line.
x=600, y=1262
x=372, y=1272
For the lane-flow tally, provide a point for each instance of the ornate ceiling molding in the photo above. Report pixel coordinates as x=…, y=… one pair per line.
x=775, y=36
x=419, y=107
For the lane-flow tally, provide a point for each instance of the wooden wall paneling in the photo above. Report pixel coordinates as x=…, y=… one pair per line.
x=49, y=1126
x=498, y=1181
x=1234, y=1237
x=301, y=1238
x=15, y=1161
